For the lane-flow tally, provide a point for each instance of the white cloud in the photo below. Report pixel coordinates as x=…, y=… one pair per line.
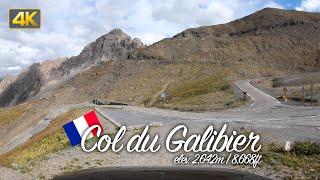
x=194, y=13
x=67, y=26
x=309, y=5
x=14, y=68
x=14, y=53
x=150, y=38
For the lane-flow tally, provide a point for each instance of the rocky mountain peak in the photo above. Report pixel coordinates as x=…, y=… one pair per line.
x=115, y=45
x=118, y=38
x=115, y=32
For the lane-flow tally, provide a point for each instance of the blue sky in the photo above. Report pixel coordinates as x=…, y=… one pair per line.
x=68, y=25
x=289, y=4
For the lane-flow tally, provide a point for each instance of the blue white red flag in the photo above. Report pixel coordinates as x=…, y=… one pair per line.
x=76, y=128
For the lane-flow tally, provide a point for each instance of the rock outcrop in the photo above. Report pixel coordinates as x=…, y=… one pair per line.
x=6, y=81
x=27, y=84
x=114, y=45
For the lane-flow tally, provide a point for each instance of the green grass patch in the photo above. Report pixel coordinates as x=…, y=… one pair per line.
x=211, y=92
x=211, y=84
x=13, y=113
x=51, y=140
x=306, y=148
x=45, y=146
x=303, y=161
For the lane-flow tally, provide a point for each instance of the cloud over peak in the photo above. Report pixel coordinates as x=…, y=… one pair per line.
x=309, y=5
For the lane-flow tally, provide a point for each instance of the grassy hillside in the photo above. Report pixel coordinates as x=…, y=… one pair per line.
x=139, y=82
x=270, y=38
x=211, y=92
x=10, y=114
x=51, y=140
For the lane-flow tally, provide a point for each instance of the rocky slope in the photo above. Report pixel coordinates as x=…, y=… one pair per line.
x=114, y=45
x=27, y=84
x=269, y=42
x=270, y=38
x=44, y=77
x=6, y=81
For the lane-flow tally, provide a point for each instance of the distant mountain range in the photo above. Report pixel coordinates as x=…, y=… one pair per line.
x=269, y=42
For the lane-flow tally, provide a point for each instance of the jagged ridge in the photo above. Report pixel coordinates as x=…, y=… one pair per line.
x=114, y=45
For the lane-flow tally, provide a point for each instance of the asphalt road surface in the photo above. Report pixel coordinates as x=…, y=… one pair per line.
x=273, y=120
x=160, y=173
x=277, y=122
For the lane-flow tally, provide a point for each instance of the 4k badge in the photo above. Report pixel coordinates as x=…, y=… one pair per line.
x=24, y=18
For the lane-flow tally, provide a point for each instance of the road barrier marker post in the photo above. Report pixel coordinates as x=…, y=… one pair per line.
x=311, y=93
x=244, y=96
x=285, y=90
x=302, y=95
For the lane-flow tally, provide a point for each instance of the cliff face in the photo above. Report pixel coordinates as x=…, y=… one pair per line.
x=26, y=85
x=115, y=45
x=6, y=81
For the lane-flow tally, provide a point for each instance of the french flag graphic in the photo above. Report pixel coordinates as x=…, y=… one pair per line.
x=76, y=128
